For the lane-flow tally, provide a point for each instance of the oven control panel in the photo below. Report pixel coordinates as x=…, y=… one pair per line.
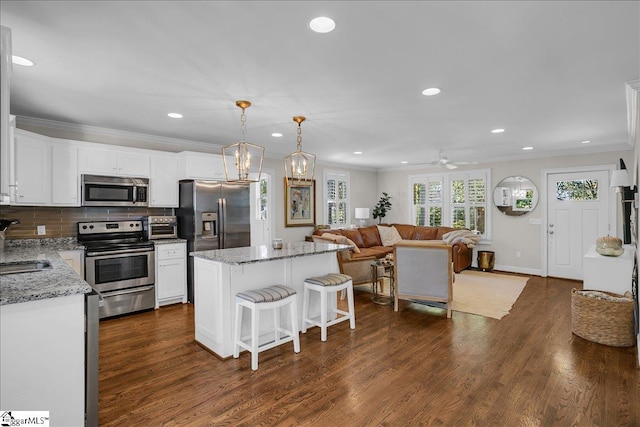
x=109, y=227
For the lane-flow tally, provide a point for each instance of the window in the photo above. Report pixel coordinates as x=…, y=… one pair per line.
x=579, y=190
x=261, y=196
x=427, y=202
x=336, y=198
x=456, y=200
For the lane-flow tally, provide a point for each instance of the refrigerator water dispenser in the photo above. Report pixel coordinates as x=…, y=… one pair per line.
x=209, y=225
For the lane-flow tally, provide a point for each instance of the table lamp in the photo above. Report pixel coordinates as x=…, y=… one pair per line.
x=362, y=214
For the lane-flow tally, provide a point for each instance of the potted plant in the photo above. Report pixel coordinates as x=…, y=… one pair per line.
x=384, y=205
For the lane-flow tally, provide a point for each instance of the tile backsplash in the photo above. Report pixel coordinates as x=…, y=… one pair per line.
x=62, y=222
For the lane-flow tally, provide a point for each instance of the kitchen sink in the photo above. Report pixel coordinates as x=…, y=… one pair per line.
x=24, y=267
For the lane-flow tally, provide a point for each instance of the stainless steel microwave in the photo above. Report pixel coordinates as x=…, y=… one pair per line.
x=114, y=191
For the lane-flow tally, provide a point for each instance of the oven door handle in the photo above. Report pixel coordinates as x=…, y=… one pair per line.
x=122, y=251
x=127, y=291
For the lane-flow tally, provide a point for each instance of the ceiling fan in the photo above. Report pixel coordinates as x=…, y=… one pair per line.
x=442, y=161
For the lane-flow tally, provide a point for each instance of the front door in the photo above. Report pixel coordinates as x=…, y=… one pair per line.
x=577, y=214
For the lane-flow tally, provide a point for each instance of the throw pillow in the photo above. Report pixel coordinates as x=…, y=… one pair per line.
x=341, y=240
x=389, y=235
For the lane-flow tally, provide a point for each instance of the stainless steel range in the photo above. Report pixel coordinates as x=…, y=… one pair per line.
x=119, y=264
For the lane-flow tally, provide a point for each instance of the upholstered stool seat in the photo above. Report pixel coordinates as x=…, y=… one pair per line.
x=329, y=283
x=271, y=298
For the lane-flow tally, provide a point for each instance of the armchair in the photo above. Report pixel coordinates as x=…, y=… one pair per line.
x=423, y=272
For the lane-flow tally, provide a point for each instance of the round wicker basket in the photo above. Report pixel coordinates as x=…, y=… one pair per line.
x=603, y=321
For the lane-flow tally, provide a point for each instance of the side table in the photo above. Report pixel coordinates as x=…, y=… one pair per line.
x=379, y=270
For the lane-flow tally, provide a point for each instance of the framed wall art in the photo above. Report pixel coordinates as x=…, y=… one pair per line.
x=300, y=204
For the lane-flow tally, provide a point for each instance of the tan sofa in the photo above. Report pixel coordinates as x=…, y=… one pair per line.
x=357, y=262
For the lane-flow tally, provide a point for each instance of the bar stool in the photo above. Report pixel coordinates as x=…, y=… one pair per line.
x=324, y=284
x=271, y=298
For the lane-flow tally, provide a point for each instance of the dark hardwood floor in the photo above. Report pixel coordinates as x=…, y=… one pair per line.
x=413, y=367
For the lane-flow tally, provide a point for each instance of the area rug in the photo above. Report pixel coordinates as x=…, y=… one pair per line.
x=486, y=294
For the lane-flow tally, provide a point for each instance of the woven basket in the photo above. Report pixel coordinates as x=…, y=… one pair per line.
x=602, y=321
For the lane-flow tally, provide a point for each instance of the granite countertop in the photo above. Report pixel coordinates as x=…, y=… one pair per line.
x=60, y=281
x=263, y=253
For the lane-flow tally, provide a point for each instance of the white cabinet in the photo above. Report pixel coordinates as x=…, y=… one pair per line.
x=103, y=160
x=7, y=122
x=608, y=273
x=32, y=181
x=171, y=273
x=194, y=165
x=42, y=358
x=45, y=171
x=65, y=186
x=163, y=182
x=75, y=259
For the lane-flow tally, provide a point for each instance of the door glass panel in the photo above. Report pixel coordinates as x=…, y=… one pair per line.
x=577, y=190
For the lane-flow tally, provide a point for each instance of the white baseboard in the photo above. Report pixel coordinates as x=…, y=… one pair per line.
x=521, y=270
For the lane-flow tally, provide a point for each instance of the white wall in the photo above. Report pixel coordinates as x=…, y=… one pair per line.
x=363, y=185
x=509, y=234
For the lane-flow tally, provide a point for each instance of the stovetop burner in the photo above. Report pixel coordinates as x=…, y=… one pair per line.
x=112, y=235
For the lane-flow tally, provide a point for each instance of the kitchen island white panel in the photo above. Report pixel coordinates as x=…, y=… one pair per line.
x=219, y=275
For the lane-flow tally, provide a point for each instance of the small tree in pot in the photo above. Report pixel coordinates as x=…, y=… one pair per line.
x=384, y=205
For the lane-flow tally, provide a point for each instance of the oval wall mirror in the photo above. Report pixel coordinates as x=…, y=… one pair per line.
x=515, y=196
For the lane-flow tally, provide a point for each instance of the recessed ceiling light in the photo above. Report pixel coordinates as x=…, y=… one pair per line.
x=431, y=91
x=527, y=148
x=175, y=115
x=404, y=162
x=357, y=152
x=19, y=60
x=497, y=130
x=276, y=135
x=322, y=24
x=585, y=142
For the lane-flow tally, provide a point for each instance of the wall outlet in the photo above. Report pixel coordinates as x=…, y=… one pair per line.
x=42, y=230
x=518, y=254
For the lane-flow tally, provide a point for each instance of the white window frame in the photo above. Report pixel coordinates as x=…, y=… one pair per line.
x=447, y=178
x=342, y=176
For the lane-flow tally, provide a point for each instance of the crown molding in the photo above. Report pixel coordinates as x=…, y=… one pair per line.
x=115, y=137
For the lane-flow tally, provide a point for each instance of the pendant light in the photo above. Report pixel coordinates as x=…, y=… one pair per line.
x=243, y=160
x=299, y=166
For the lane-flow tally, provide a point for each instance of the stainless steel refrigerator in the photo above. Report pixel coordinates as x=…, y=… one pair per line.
x=212, y=215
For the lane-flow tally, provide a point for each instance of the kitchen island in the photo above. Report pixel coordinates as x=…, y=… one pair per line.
x=220, y=274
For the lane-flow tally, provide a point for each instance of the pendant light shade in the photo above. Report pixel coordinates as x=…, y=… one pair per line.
x=243, y=160
x=299, y=166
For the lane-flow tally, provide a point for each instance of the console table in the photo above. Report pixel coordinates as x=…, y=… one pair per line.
x=609, y=273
